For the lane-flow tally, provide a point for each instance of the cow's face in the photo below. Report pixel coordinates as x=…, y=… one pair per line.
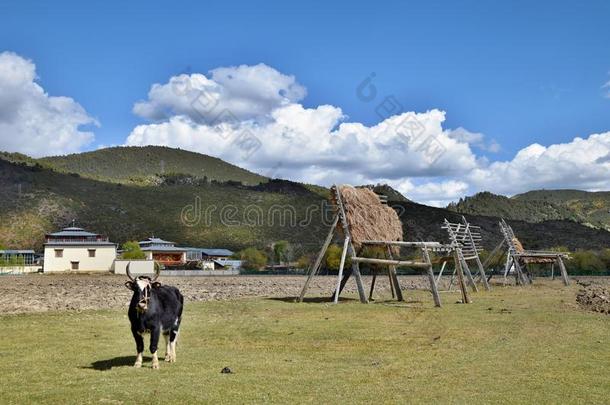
x=142, y=287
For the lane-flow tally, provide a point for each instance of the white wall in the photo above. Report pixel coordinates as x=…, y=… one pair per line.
x=19, y=269
x=103, y=260
x=136, y=267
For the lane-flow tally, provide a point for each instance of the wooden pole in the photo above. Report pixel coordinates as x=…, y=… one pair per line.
x=452, y=279
x=316, y=266
x=394, y=277
x=477, y=259
x=391, y=283
x=341, y=264
x=460, y=277
x=372, y=287
x=433, y=289
x=564, y=272
x=519, y=273
x=468, y=274
x=440, y=273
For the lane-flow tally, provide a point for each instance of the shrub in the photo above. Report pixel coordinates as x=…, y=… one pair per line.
x=586, y=260
x=333, y=257
x=132, y=251
x=253, y=259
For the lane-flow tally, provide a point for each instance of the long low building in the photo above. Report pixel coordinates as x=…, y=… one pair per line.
x=17, y=257
x=74, y=249
x=163, y=251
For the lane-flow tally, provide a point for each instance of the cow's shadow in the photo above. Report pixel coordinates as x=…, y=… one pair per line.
x=122, y=361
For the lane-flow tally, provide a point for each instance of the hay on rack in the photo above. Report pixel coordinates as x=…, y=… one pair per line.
x=519, y=249
x=368, y=218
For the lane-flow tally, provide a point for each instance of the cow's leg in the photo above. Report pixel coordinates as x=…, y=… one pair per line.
x=173, y=338
x=154, y=345
x=139, y=347
x=168, y=348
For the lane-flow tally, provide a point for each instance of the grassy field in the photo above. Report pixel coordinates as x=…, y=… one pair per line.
x=526, y=345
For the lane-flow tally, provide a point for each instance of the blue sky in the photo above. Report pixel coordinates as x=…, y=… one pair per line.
x=519, y=73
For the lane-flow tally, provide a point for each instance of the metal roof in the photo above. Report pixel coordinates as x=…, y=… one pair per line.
x=79, y=243
x=155, y=240
x=16, y=252
x=210, y=252
x=162, y=249
x=233, y=263
x=72, y=231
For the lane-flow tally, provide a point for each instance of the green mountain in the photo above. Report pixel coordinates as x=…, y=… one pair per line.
x=148, y=165
x=588, y=208
x=36, y=200
x=124, y=201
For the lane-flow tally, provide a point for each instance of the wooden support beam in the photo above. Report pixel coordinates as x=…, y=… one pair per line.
x=440, y=273
x=314, y=269
x=433, y=289
x=429, y=245
x=388, y=262
x=482, y=274
x=564, y=272
x=394, y=278
x=466, y=269
x=460, y=278
x=372, y=287
x=341, y=264
x=391, y=283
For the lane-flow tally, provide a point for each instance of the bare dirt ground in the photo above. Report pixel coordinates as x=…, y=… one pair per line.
x=59, y=292
x=594, y=296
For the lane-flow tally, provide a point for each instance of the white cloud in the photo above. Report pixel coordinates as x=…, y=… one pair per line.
x=475, y=139
x=33, y=122
x=314, y=145
x=437, y=193
x=246, y=92
x=268, y=131
x=581, y=164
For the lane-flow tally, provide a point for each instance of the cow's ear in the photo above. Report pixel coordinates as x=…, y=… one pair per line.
x=129, y=285
x=156, y=284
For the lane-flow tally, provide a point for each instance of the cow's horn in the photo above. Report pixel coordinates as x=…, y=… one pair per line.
x=128, y=272
x=157, y=271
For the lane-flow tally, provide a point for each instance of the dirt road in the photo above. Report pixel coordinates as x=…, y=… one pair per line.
x=45, y=292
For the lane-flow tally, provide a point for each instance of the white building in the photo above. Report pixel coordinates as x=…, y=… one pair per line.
x=74, y=249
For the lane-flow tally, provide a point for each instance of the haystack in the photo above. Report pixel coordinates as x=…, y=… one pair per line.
x=519, y=248
x=368, y=218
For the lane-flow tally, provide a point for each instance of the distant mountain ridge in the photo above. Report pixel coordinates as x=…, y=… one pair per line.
x=588, y=208
x=226, y=207
x=147, y=165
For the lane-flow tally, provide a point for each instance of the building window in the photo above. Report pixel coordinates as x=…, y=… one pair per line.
x=91, y=252
x=59, y=253
x=74, y=265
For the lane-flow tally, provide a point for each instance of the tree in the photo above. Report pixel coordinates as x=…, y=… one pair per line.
x=586, y=260
x=282, y=251
x=604, y=255
x=333, y=257
x=132, y=251
x=304, y=262
x=253, y=259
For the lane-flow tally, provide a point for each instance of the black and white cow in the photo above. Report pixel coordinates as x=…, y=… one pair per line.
x=154, y=309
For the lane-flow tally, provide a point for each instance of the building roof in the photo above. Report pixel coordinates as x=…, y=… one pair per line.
x=232, y=263
x=210, y=252
x=79, y=243
x=72, y=232
x=153, y=240
x=159, y=248
x=16, y=252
